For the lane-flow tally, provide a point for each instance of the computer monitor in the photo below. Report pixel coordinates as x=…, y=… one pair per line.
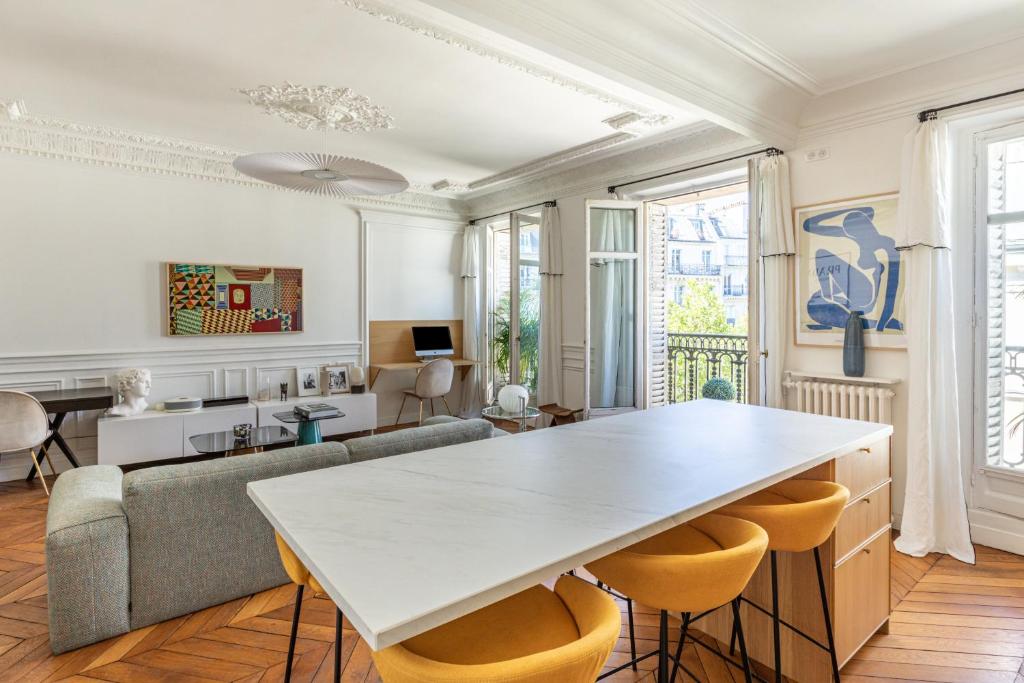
x=430, y=342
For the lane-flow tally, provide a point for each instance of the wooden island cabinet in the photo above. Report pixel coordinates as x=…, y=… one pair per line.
x=856, y=571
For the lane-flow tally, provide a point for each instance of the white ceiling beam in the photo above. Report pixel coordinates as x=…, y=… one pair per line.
x=657, y=48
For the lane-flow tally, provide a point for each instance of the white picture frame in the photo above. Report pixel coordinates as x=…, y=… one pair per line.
x=336, y=379
x=307, y=380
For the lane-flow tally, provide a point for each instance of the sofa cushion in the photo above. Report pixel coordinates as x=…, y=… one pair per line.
x=417, y=439
x=197, y=539
x=86, y=558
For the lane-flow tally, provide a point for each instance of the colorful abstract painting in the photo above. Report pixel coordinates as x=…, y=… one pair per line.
x=847, y=261
x=206, y=299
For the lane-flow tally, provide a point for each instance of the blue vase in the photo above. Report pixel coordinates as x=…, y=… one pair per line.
x=853, y=346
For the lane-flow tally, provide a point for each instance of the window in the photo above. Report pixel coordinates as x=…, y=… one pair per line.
x=513, y=303
x=1002, y=244
x=677, y=260
x=705, y=258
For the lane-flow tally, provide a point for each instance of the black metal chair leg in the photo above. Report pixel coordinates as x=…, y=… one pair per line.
x=775, y=618
x=337, y=646
x=679, y=648
x=663, y=648
x=828, y=619
x=737, y=629
x=295, y=633
x=732, y=641
x=632, y=634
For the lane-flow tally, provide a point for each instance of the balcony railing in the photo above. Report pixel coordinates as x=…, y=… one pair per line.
x=693, y=359
x=1012, y=454
x=693, y=269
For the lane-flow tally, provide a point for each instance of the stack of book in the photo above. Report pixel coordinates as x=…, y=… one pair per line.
x=314, y=411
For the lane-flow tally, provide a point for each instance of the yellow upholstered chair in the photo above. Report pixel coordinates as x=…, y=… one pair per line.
x=301, y=577
x=799, y=515
x=693, y=568
x=536, y=636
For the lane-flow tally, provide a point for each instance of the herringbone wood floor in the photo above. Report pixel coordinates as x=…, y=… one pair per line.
x=952, y=623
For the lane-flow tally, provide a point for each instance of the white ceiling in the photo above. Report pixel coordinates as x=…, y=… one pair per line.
x=173, y=69
x=483, y=92
x=837, y=43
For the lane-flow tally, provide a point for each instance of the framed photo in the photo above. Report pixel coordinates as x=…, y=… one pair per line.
x=334, y=379
x=308, y=380
x=846, y=260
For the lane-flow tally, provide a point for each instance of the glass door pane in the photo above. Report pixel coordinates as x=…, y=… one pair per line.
x=529, y=300
x=612, y=333
x=500, y=333
x=1005, y=304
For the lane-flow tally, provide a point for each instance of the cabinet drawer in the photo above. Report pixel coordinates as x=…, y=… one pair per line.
x=861, y=519
x=861, y=596
x=864, y=469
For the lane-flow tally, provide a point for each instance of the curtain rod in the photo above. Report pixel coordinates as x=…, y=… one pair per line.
x=933, y=113
x=550, y=202
x=770, y=151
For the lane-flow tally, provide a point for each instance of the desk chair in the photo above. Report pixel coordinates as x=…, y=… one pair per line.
x=24, y=425
x=434, y=381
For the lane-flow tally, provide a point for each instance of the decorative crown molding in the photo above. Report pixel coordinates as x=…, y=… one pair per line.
x=552, y=160
x=319, y=107
x=386, y=13
x=50, y=138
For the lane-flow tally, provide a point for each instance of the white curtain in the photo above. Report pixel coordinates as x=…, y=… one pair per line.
x=549, y=373
x=934, y=509
x=778, y=245
x=472, y=321
x=612, y=304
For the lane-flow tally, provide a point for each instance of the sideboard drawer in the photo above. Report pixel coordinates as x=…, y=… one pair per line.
x=861, y=519
x=861, y=596
x=864, y=469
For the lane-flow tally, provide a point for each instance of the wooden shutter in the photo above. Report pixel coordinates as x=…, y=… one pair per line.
x=657, y=324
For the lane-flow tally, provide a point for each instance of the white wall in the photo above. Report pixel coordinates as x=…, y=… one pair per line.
x=413, y=274
x=82, y=280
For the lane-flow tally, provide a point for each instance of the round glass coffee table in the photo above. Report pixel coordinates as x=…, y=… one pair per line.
x=227, y=443
x=496, y=413
x=309, y=427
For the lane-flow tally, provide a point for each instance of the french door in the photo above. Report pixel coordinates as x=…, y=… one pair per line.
x=614, y=346
x=513, y=302
x=998, y=474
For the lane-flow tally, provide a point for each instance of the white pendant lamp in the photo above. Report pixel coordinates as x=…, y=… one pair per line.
x=324, y=174
x=321, y=107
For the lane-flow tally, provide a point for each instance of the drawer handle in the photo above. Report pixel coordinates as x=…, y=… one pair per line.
x=865, y=500
x=866, y=551
x=866, y=449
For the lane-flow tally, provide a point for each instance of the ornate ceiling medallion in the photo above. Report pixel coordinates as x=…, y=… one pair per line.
x=320, y=107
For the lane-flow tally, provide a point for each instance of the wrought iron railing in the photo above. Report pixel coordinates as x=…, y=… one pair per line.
x=693, y=269
x=1013, y=403
x=693, y=359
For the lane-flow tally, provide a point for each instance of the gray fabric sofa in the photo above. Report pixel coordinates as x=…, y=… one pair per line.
x=127, y=551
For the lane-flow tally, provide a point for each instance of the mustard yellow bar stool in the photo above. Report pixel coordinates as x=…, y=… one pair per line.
x=694, y=568
x=799, y=515
x=536, y=636
x=301, y=577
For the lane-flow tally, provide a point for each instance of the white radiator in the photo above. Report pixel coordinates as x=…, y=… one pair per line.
x=840, y=399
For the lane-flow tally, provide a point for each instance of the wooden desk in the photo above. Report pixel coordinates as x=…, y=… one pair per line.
x=464, y=526
x=462, y=364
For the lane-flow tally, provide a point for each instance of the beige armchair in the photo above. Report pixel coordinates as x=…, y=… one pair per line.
x=434, y=381
x=23, y=426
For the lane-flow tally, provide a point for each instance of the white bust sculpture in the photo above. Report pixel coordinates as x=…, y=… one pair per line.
x=133, y=384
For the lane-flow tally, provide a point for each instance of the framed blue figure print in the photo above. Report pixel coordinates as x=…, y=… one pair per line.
x=847, y=261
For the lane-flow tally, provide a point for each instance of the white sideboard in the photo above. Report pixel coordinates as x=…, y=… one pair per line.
x=156, y=435
x=360, y=412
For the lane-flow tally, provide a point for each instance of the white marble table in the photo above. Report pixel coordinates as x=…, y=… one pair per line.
x=406, y=543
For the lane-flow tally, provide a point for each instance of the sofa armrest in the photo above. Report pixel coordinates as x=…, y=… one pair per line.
x=87, y=558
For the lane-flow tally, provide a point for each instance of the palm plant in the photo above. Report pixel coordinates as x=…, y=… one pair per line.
x=529, y=336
